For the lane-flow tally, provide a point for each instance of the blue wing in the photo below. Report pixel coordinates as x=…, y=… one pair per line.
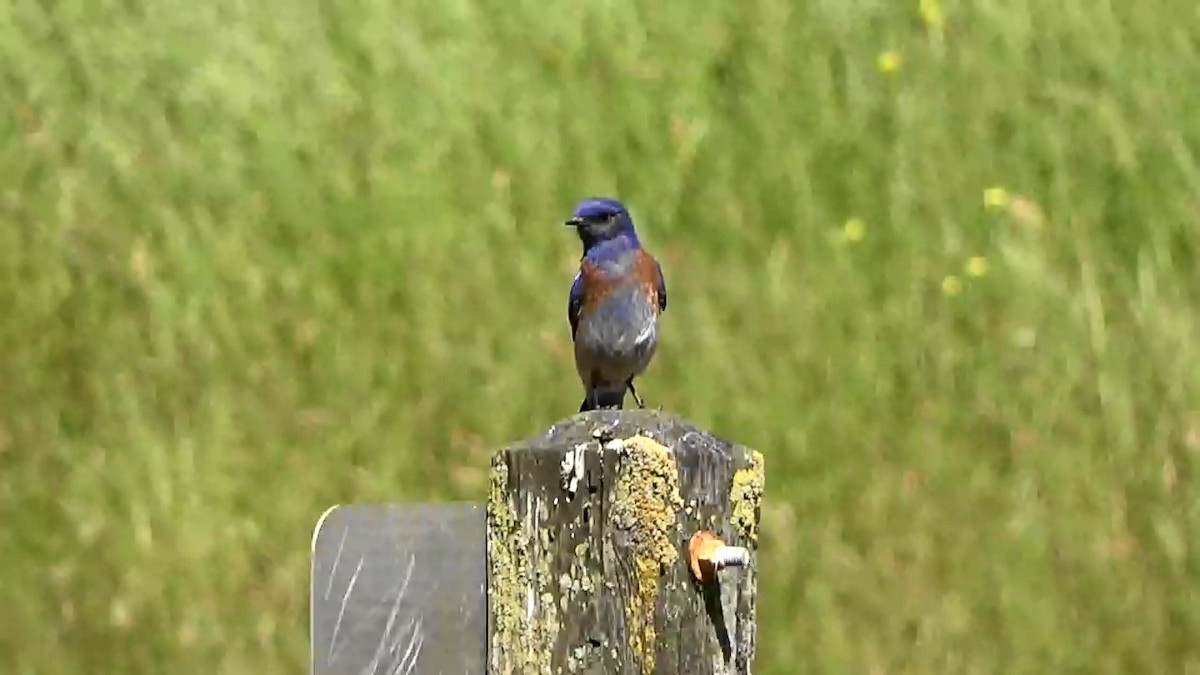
x=662, y=288
x=575, y=303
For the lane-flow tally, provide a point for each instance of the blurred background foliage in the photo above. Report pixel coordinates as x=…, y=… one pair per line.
x=936, y=260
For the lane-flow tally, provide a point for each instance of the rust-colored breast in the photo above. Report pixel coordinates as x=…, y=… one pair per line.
x=646, y=270
x=597, y=283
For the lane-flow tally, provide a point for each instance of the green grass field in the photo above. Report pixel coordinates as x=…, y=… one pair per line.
x=256, y=260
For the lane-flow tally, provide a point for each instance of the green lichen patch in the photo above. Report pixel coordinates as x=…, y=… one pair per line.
x=745, y=496
x=645, y=501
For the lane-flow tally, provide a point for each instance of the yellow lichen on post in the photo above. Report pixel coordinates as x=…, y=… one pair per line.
x=504, y=569
x=645, y=501
x=745, y=496
x=509, y=582
x=544, y=628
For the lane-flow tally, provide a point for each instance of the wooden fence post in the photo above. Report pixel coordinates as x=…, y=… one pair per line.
x=588, y=534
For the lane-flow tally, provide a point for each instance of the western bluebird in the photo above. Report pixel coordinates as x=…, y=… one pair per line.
x=615, y=301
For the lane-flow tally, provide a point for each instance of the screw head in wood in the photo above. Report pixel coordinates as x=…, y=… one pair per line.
x=708, y=554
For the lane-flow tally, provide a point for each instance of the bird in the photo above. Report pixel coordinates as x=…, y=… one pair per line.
x=616, y=299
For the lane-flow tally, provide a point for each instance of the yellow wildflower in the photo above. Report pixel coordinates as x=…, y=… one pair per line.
x=854, y=230
x=977, y=266
x=889, y=61
x=931, y=14
x=952, y=285
x=995, y=198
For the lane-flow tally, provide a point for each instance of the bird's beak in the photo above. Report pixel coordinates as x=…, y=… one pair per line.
x=574, y=222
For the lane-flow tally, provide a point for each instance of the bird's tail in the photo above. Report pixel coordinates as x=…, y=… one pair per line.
x=603, y=397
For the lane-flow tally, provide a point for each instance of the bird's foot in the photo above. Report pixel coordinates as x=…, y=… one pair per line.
x=636, y=399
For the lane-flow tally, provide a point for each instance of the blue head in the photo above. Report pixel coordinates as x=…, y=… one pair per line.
x=601, y=219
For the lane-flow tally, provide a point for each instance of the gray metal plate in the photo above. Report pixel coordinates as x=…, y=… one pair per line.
x=400, y=589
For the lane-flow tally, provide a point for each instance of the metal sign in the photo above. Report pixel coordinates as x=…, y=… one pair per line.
x=400, y=589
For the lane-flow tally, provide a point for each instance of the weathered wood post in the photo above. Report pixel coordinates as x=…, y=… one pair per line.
x=588, y=532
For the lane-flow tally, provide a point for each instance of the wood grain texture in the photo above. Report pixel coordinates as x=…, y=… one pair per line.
x=398, y=589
